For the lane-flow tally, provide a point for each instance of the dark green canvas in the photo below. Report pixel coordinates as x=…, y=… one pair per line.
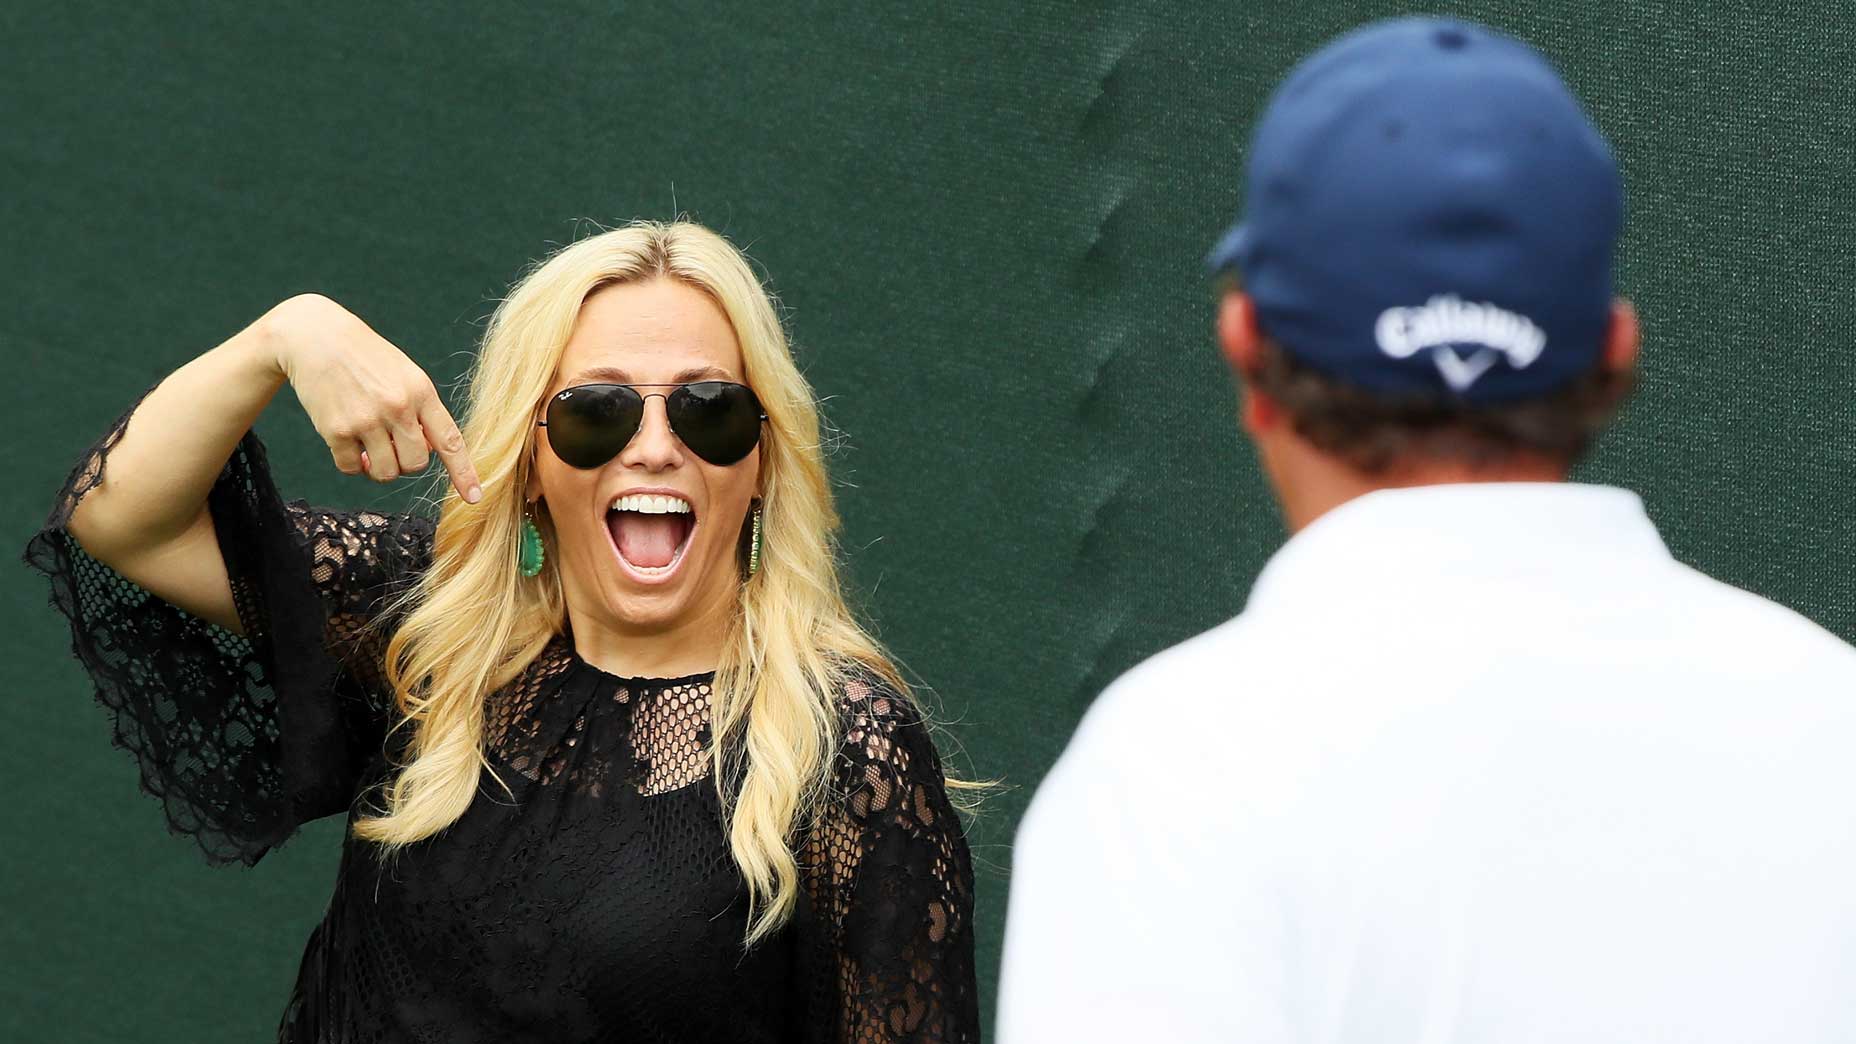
x=985, y=221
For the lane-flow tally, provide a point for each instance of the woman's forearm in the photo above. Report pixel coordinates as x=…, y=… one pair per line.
x=158, y=475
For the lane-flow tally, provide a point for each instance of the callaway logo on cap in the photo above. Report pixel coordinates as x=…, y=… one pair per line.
x=1429, y=211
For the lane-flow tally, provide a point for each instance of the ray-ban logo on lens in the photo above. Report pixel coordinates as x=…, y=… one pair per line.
x=1446, y=324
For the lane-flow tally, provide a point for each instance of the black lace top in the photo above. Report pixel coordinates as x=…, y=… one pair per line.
x=596, y=900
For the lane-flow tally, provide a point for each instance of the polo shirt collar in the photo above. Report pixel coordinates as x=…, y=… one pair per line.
x=1428, y=535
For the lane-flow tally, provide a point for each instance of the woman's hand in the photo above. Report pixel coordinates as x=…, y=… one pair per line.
x=375, y=408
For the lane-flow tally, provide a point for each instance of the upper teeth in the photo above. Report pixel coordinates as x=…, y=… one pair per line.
x=647, y=504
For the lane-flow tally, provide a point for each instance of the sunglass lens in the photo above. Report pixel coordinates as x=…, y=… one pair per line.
x=589, y=425
x=718, y=420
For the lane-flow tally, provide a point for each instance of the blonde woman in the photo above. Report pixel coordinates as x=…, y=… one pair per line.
x=617, y=762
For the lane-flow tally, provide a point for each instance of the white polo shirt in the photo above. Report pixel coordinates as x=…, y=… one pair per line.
x=1477, y=763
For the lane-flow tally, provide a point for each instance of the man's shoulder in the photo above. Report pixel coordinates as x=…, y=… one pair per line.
x=1733, y=621
x=1192, y=720
x=1182, y=694
x=1193, y=669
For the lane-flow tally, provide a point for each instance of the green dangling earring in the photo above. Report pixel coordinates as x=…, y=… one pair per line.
x=529, y=555
x=754, y=547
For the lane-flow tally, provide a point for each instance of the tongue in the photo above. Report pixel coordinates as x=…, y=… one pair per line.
x=647, y=541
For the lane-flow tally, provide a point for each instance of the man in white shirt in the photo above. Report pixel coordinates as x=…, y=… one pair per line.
x=1479, y=761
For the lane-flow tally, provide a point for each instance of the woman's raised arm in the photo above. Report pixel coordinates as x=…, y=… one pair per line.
x=375, y=408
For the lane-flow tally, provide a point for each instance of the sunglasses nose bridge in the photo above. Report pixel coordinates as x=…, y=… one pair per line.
x=655, y=443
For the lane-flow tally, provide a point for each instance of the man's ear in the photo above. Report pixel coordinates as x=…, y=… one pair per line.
x=1240, y=341
x=1623, y=338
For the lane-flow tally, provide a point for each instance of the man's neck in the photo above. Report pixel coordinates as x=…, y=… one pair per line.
x=1309, y=484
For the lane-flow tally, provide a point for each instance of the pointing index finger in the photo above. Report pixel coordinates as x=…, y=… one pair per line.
x=441, y=433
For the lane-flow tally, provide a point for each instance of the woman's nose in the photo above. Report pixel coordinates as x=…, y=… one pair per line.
x=655, y=447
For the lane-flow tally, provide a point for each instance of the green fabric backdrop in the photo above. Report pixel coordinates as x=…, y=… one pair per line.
x=985, y=220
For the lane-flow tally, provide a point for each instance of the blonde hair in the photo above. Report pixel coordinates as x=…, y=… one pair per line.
x=473, y=622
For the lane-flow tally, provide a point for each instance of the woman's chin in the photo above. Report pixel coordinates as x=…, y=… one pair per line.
x=653, y=608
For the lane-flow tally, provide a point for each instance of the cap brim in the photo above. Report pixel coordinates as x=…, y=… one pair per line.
x=1229, y=251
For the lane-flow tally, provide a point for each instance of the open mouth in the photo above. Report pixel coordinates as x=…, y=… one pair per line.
x=651, y=531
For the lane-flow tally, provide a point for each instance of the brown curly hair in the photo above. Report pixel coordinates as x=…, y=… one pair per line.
x=1371, y=431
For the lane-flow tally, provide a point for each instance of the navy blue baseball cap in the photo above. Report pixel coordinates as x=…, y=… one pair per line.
x=1429, y=211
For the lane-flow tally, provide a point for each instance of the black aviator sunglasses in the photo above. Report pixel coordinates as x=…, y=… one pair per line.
x=590, y=423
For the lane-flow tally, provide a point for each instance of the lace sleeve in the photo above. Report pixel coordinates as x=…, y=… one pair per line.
x=242, y=738
x=889, y=885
